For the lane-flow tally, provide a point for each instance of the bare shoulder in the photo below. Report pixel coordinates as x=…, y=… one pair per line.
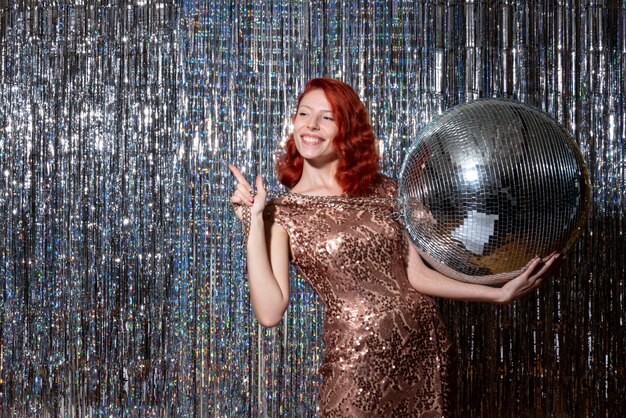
x=276, y=217
x=275, y=211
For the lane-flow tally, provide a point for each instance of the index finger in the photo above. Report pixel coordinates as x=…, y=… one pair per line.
x=238, y=175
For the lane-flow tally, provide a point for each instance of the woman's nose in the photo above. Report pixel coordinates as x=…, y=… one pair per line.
x=313, y=123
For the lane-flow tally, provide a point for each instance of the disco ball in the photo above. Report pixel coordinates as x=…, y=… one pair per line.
x=489, y=185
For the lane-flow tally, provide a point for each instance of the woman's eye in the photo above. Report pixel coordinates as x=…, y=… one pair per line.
x=328, y=118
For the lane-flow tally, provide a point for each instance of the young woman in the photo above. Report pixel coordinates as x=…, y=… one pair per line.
x=386, y=348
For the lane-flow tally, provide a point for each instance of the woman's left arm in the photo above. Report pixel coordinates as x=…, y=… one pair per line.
x=430, y=282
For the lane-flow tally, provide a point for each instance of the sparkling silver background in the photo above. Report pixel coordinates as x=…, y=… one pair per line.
x=121, y=272
x=489, y=185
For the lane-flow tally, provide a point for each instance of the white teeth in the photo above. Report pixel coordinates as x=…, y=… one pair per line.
x=312, y=140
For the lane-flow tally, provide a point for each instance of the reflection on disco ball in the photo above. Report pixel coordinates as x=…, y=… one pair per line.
x=489, y=185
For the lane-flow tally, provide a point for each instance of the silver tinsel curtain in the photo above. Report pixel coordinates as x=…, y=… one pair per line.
x=122, y=277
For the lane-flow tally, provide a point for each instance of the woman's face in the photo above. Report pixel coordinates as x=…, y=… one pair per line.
x=314, y=128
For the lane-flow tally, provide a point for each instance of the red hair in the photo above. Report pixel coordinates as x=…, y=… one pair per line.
x=355, y=142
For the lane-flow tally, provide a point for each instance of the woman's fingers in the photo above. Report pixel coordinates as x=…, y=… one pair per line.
x=238, y=175
x=241, y=197
x=260, y=187
x=241, y=180
x=538, y=267
x=535, y=273
x=243, y=194
x=545, y=267
x=531, y=278
x=532, y=267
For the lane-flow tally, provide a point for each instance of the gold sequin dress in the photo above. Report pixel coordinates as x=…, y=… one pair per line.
x=386, y=348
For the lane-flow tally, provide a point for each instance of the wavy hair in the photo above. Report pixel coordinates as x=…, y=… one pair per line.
x=355, y=143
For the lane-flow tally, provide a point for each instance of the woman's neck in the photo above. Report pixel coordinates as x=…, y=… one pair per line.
x=319, y=181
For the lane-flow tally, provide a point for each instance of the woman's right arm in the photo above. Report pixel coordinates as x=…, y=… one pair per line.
x=268, y=254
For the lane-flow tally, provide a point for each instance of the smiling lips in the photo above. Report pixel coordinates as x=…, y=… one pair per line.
x=311, y=140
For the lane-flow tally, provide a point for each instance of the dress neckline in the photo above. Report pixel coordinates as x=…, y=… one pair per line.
x=379, y=204
x=345, y=199
x=314, y=196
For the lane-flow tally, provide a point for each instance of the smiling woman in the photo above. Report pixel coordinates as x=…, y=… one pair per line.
x=354, y=142
x=386, y=348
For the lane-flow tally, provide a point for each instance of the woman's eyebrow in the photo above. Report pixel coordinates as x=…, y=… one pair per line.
x=322, y=110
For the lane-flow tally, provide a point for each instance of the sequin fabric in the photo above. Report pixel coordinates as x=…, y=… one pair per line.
x=386, y=349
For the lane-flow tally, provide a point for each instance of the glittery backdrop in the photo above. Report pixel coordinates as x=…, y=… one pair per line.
x=122, y=276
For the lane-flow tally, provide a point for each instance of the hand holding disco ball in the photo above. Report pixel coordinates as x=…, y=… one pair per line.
x=488, y=186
